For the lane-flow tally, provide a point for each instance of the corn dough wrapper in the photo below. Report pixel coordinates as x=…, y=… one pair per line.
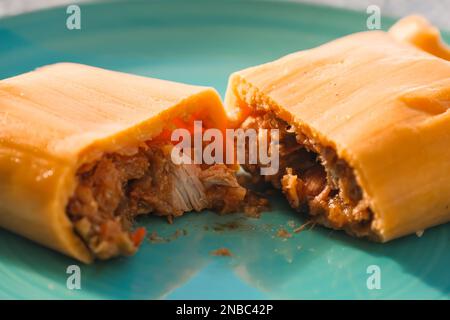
x=364, y=127
x=84, y=150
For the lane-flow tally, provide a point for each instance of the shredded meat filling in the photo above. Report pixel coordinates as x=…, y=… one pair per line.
x=313, y=178
x=114, y=190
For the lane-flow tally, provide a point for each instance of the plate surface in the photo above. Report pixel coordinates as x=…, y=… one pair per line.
x=202, y=42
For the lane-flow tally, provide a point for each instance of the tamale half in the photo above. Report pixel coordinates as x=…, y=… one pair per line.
x=84, y=150
x=364, y=128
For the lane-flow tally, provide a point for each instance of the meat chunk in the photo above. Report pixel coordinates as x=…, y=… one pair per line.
x=117, y=188
x=313, y=178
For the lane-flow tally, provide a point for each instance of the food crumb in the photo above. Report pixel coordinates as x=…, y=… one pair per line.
x=231, y=225
x=303, y=226
x=155, y=238
x=420, y=233
x=223, y=252
x=283, y=233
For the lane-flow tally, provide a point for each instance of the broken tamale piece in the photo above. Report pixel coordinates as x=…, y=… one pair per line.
x=84, y=150
x=364, y=129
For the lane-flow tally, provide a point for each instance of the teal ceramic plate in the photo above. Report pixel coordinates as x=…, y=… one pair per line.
x=202, y=43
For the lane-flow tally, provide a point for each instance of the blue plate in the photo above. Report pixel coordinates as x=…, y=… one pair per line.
x=202, y=42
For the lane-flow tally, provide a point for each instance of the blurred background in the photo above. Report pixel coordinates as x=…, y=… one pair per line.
x=435, y=10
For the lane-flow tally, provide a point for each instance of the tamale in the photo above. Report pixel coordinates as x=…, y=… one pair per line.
x=364, y=128
x=84, y=150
